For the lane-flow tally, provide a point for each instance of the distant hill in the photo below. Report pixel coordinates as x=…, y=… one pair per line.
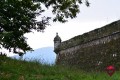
x=44, y=55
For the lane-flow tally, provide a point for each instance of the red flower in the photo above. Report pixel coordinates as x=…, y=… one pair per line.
x=110, y=70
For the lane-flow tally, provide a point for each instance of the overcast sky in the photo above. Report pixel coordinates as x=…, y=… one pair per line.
x=100, y=13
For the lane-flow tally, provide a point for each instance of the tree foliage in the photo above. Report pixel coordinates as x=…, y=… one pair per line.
x=18, y=17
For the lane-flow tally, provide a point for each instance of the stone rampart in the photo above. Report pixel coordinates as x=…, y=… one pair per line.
x=97, y=41
x=90, y=36
x=92, y=48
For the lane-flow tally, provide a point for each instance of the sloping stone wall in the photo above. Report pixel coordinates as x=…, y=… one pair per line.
x=68, y=53
x=72, y=51
x=89, y=36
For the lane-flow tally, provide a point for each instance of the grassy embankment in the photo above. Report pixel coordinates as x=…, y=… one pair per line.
x=11, y=69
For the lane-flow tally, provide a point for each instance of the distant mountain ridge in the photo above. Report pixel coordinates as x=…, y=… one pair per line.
x=43, y=55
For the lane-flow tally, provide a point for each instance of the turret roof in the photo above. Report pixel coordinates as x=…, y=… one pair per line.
x=57, y=38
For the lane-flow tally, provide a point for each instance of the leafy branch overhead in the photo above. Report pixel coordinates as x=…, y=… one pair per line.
x=18, y=17
x=63, y=9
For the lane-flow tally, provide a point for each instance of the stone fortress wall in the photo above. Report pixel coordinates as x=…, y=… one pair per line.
x=98, y=41
x=67, y=49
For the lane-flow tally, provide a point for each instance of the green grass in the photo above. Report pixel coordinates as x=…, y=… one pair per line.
x=11, y=69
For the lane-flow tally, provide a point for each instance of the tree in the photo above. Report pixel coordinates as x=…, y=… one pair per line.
x=18, y=17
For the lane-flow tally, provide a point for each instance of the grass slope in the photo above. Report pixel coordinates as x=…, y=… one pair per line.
x=11, y=69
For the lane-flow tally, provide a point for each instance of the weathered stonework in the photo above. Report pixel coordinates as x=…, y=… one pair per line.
x=68, y=50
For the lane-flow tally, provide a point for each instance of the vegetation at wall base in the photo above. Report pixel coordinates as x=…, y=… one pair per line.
x=11, y=69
